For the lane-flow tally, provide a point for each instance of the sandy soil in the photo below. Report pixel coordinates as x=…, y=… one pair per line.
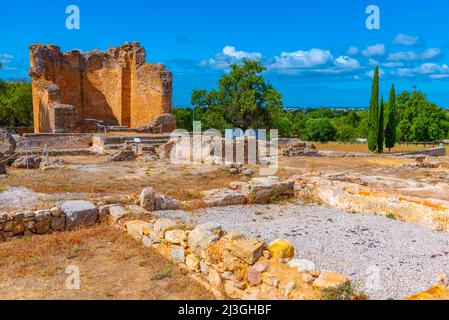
x=112, y=266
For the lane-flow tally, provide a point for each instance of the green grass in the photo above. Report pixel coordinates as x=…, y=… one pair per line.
x=343, y=292
x=391, y=215
x=163, y=274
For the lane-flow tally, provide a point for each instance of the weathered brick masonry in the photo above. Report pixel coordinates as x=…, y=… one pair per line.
x=73, y=90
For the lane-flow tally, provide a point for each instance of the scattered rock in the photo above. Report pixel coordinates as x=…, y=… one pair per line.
x=178, y=254
x=281, y=249
x=117, y=212
x=56, y=212
x=193, y=262
x=222, y=197
x=255, y=273
x=162, y=225
x=202, y=236
x=30, y=162
x=79, y=213
x=302, y=265
x=298, y=148
x=329, y=279
x=214, y=278
x=147, y=199
x=249, y=250
x=58, y=224
x=164, y=202
x=136, y=229
x=175, y=236
x=43, y=220
x=137, y=210
x=123, y=155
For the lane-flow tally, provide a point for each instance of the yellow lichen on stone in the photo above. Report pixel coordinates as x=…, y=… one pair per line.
x=437, y=292
x=281, y=249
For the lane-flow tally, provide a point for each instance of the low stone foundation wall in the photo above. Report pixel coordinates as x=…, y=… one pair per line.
x=69, y=215
x=437, y=152
x=58, y=141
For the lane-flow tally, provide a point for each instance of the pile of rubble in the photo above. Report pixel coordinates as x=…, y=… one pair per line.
x=256, y=191
x=296, y=148
x=428, y=162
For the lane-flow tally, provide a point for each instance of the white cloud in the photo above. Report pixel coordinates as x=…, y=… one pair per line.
x=392, y=64
x=403, y=56
x=289, y=61
x=433, y=70
x=375, y=50
x=404, y=72
x=233, y=53
x=353, y=51
x=431, y=53
x=430, y=68
x=371, y=73
x=406, y=40
x=6, y=58
x=229, y=55
x=440, y=76
x=344, y=62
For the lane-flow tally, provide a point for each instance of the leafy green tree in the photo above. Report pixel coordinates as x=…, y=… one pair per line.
x=373, y=125
x=213, y=118
x=184, y=118
x=16, y=104
x=298, y=123
x=390, y=128
x=420, y=119
x=362, y=128
x=246, y=99
x=381, y=135
x=283, y=122
x=320, y=130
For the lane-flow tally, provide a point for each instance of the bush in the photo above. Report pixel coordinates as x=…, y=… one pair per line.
x=320, y=130
x=16, y=104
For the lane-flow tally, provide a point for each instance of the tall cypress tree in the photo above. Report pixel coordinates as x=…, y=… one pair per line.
x=381, y=136
x=390, y=128
x=373, y=125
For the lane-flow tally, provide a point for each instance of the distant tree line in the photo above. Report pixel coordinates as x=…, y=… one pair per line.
x=245, y=100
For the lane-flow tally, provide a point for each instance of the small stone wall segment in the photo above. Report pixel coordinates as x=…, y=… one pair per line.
x=69, y=215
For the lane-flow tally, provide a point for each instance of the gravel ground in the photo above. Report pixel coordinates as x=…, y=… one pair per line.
x=409, y=257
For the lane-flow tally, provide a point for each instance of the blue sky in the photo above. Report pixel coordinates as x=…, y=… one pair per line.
x=318, y=53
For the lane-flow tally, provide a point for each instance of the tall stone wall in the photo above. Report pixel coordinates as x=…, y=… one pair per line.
x=114, y=87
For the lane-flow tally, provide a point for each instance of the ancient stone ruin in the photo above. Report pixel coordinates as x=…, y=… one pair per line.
x=74, y=91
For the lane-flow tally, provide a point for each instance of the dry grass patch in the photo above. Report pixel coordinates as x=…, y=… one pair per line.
x=112, y=266
x=360, y=147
